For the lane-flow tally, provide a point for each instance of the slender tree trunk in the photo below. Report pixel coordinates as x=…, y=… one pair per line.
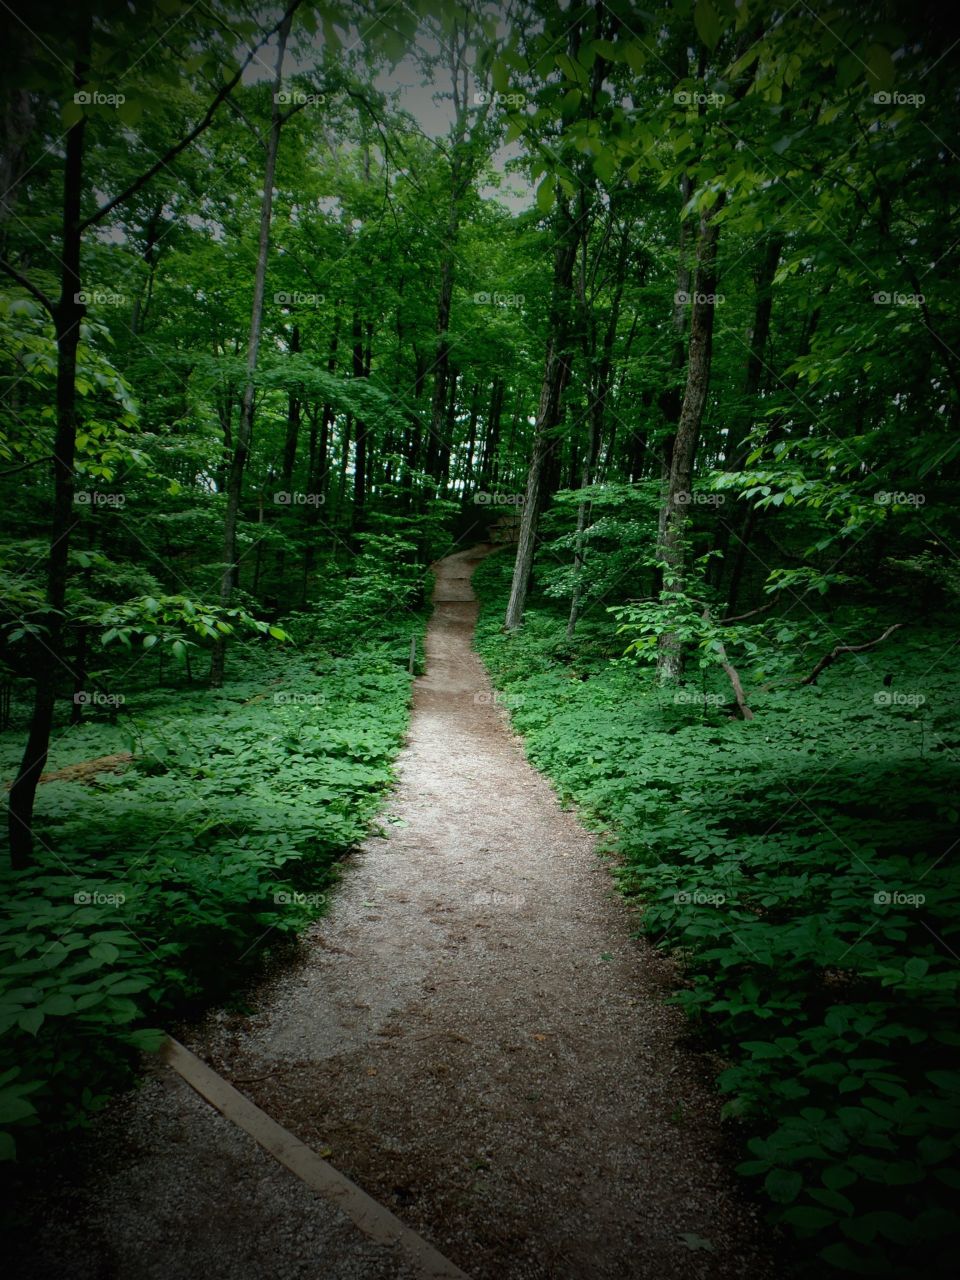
x=320, y=448
x=360, y=432
x=471, y=436
x=244, y=434
x=449, y=425
x=555, y=373
x=491, y=437
x=598, y=389
x=670, y=399
x=258, y=556
x=674, y=517
x=292, y=437
x=289, y=460
x=142, y=301
x=46, y=658
x=79, y=673
x=736, y=451
x=16, y=125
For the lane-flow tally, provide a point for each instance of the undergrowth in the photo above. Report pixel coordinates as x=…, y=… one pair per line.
x=802, y=869
x=164, y=886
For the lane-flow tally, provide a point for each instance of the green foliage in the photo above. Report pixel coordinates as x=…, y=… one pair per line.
x=174, y=877
x=175, y=621
x=798, y=867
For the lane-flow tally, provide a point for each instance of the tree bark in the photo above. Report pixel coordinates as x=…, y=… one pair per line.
x=67, y=317
x=736, y=451
x=599, y=367
x=556, y=370
x=244, y=435
x=675, y=513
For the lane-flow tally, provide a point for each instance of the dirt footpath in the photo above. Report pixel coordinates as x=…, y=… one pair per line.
x=471, y=1034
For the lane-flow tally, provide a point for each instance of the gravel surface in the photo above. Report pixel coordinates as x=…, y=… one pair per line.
x=166, y=1189
x=474, y=1034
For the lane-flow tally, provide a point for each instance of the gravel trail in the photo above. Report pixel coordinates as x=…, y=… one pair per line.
x=474, y=1034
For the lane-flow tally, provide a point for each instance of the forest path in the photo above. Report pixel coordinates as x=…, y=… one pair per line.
x=471, y=1034
x=474, y=1032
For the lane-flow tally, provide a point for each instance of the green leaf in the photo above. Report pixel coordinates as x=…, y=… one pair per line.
x=31, y=1021
x=147, y=1039
x=783, y=1185
x=546, y=195
x=707, y=22
x=880, y=69
x=57, y=1005
x=14, y=1108
x=105, y=951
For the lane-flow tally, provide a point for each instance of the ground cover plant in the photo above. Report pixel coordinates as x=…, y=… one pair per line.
x=796, y=866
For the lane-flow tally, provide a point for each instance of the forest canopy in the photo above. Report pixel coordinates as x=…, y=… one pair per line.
x=660, y=298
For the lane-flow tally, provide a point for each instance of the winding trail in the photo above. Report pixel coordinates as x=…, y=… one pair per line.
x=472, y=1034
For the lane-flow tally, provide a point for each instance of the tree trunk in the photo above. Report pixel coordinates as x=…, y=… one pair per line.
x=599, y=366
x=736, y=451
x=292, y=437
x=491, y=438
x=67, y=317
x=675, y=513
x=556, y=370
x=244, y=434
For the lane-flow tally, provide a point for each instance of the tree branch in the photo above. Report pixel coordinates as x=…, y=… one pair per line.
x=22, y=466
x=829, y=658
x=732, y=675
x=185, y=141
x=30, y=287
x=725, y=622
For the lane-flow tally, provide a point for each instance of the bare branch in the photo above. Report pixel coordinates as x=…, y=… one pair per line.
x=732, y=675
x=30, y=287
x=22, y=466
x=725, y=622
x=829, y=658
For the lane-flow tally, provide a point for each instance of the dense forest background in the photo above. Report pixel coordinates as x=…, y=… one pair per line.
x=664, y=300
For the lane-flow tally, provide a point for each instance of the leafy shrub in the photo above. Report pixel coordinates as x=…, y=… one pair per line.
x=162, y=887
x=798, y=865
